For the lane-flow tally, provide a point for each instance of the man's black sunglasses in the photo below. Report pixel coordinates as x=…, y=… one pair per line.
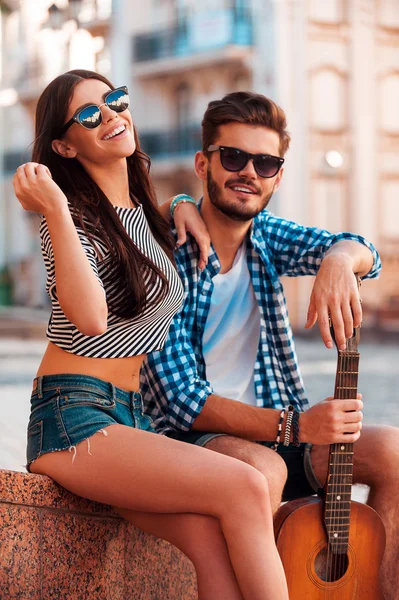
x=90, y=115
x=234, y=159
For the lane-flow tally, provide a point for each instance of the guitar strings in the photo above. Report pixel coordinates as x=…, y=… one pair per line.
x=330, y=512
x=330, y=497
x=332, y=493
x=338, y=488
x=339, y=457
x=352, y=379
x=336, y=461
x=342, y=489
x=346, y=388
x=342, y=470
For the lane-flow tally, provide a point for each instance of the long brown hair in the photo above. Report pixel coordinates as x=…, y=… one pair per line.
x=92, y=210
x=248, y=108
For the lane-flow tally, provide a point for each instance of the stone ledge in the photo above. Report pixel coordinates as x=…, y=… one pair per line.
x=57, y=546
x=39, y=491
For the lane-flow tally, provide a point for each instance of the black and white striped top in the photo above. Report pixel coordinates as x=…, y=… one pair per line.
x=123, y=337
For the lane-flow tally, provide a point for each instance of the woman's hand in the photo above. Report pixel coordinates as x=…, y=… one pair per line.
x=187, y=218
x=36, y=190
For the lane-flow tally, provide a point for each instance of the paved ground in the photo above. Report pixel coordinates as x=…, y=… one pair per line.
x=378, y=376
x=378, y=381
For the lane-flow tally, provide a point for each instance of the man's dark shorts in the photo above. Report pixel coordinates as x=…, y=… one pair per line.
x=301, y=479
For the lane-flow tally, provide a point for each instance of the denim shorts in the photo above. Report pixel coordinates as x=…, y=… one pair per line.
x=68, y=409
x=301, y=480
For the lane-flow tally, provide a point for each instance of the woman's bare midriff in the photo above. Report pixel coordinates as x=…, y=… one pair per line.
x=122, y=372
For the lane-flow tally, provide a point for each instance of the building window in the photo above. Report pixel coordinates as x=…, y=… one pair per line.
x=388, y=13
x=327, y=11
x=327, y=91
x=183, y=105
x=389, y=102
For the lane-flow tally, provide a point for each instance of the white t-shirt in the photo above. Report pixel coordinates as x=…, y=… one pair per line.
x=231, y=336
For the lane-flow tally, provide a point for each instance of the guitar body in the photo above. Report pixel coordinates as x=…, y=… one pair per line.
x=302, y=543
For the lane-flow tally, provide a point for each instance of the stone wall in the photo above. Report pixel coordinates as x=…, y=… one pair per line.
x=57, y=546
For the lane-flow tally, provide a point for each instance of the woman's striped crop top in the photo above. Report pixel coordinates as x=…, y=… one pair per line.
x=124, y=337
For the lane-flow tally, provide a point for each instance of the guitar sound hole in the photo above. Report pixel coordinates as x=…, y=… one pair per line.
x=330, y=567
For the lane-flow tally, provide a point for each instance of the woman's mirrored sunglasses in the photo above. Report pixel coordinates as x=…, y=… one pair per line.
x=90, y=115
x=234, y=159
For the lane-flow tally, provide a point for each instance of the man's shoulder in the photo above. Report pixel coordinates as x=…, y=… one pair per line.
x=262, y=217
x=269, y=219
x=269, y=226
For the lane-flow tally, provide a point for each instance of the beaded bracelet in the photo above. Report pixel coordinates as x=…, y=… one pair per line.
x=180, y=198
x=279, y=429
x=295, y=428
x=288, y=423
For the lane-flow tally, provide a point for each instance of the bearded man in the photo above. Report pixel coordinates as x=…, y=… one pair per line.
x=228, y=371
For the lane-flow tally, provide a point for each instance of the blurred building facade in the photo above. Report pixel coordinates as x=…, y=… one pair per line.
x=333, y=66
x=39, y=40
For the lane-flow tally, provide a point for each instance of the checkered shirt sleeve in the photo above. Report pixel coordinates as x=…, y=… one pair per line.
x=299, y=250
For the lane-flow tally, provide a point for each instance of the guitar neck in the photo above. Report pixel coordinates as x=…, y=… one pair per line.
x=340, y=464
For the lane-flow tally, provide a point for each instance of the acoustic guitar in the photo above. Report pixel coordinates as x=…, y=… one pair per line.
x=332, y=547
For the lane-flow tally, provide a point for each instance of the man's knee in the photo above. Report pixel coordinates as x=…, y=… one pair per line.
x=265, y=460
x=376, y=457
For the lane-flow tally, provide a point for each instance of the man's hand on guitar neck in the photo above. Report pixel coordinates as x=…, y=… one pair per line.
x=332, y=421
x=335, y=292
x=327, y=422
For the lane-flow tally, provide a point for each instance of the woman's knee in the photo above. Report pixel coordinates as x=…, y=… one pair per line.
x=250, y=494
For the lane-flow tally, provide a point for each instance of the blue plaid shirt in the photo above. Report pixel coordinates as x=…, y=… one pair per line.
x=173, y=380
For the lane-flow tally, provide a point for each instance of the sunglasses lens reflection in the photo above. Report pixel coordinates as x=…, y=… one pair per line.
x=118, y=100
x=90, y=117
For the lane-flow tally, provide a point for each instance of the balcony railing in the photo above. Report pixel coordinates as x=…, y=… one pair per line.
x=215, y=30
x=181, y=142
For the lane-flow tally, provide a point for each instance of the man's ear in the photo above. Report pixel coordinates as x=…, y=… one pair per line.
x=61, y=148
x=201, y=165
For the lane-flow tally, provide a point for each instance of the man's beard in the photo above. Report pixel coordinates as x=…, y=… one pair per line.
x=236, y=211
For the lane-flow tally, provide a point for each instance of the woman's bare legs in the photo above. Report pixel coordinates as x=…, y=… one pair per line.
x=201, y=539
x=143, y=471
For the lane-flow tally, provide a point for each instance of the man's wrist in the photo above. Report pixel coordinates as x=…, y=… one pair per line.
x=303, y=436
x=339, y=256
x=356, y=255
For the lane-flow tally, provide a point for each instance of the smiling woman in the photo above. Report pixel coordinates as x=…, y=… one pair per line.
x=114, y=291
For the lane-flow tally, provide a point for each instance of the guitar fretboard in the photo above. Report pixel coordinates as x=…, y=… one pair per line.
x=340, y=468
